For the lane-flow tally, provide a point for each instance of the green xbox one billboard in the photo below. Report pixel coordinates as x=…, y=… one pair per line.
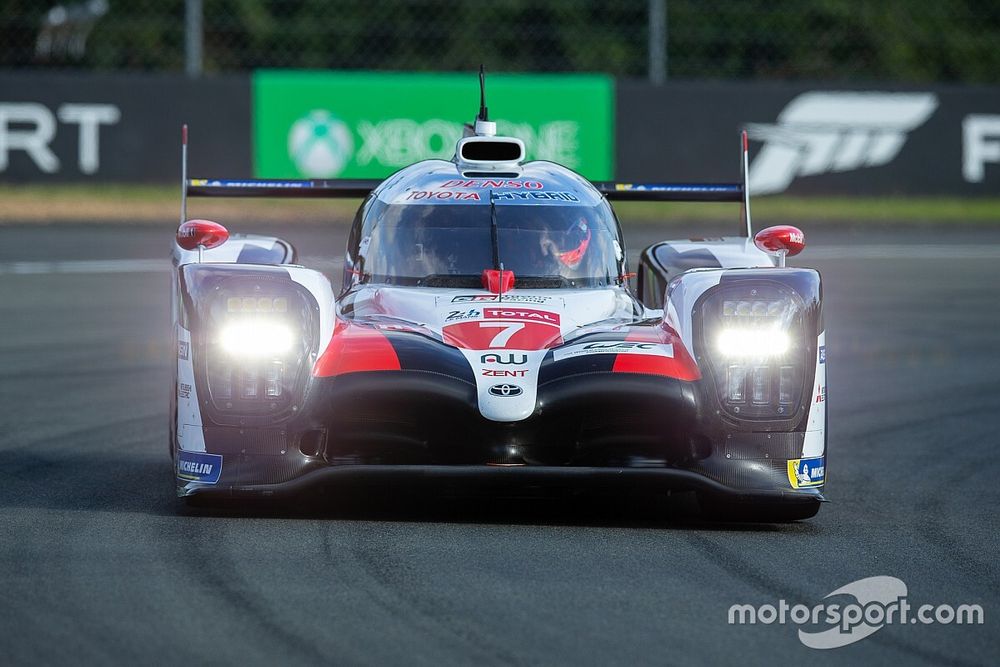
x=368, y=124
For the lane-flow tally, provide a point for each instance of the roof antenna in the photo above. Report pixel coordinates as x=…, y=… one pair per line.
x=484, y=113
x=484, y=126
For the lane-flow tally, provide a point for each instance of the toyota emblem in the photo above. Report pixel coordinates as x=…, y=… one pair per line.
x=506, y=390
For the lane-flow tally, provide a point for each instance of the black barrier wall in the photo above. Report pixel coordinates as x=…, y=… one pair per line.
x=806, y=139
x=121, y=128
x=813, y=139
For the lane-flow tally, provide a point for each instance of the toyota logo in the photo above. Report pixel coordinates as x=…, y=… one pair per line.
x=506, y=390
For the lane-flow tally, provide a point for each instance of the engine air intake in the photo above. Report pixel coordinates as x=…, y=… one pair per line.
x=490, y=153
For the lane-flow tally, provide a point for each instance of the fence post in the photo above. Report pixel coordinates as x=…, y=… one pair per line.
x=193, y=36
x=657, y=41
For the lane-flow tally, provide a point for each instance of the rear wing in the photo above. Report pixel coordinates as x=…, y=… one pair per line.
x=360, y=188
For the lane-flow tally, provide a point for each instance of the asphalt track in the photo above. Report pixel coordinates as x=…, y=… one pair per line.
x=99, y=568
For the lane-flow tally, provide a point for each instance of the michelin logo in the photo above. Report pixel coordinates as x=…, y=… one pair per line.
x=803, y=473
x=198, y=467
x=823, y=132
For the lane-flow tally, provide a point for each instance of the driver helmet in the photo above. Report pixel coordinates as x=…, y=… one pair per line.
x=568, y=247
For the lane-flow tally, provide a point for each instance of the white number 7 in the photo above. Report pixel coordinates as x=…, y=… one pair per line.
x=502, y=338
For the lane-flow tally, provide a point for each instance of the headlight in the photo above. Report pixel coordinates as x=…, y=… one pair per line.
x=753, y=337
x=256, y=339
x=260, y=335
x=746, y=343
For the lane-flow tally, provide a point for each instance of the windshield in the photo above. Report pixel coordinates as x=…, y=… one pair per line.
x=450, y=245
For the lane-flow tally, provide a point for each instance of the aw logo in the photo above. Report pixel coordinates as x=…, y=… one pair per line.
x=821, y=132
x=320, y=145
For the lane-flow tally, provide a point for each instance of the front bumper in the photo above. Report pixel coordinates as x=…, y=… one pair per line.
x=418, y=427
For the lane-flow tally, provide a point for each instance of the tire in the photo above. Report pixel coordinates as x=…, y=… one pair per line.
x=757, y=512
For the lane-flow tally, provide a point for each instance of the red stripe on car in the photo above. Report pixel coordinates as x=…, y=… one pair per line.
x=680, y=366
x=354, y=348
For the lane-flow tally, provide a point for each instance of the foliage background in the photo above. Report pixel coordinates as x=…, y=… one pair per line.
x=835, y=40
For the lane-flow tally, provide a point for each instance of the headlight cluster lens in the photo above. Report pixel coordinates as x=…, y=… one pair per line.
x=753, y=338
x=259, y=342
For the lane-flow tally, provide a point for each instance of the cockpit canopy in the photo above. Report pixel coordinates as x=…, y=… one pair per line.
x=551, y=228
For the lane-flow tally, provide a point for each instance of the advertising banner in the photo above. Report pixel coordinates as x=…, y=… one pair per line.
x=368, y=124
x=822, y=139
x=126, y=128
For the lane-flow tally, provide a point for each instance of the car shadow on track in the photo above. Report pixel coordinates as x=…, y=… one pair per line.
x=504, y=504
x=104, y=481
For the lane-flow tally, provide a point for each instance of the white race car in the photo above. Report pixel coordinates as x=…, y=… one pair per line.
x=485, y=327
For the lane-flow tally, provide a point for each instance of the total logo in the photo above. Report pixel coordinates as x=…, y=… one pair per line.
x=322, y=145
x=521, y=314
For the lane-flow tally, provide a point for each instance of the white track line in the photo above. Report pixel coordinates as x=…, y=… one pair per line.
x=901, y=252
x=871, y=252
x=88, y=266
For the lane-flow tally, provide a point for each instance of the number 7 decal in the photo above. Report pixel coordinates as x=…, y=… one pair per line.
x=502, y=338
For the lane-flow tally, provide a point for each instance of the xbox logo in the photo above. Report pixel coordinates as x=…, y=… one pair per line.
x=320, y=145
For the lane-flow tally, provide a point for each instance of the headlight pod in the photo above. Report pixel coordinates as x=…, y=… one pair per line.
x=753, y=337
x=259, y=333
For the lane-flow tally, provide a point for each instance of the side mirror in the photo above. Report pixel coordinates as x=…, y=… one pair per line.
x=781, y=241
x=201, y=235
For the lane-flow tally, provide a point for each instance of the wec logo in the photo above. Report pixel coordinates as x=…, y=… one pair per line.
x=820, y=132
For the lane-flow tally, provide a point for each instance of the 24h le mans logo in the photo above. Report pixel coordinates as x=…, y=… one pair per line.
x=320, y=144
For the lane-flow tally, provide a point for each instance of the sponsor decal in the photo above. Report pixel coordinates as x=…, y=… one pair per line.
x=320, y=144
x=824, y=132
x=613, y=347
x=493, y=184
x=803, y=473
x=490, y=373
x=525, y=314
x=508, y=298
x=183, y=349
x=539, y=196
x=183, y=390
x=980, y=144
x=455, y=315
x=506, y=359
x=417, y=195
x=199, y=467
x=30, y=127
x=821, y=394
x=505, y=390
x=822, y=354
x=370, y=124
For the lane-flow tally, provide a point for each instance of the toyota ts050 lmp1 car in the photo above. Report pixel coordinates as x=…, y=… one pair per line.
x=485, y=326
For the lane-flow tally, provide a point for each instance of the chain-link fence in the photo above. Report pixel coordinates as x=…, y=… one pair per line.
x=912, y=41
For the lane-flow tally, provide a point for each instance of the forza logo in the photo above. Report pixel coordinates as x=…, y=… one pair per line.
x=822, y=132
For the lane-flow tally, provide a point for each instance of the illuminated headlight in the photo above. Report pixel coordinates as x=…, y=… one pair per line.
x=753, y=339
x=260, y=340
x=256, y=339
x=749, y=343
